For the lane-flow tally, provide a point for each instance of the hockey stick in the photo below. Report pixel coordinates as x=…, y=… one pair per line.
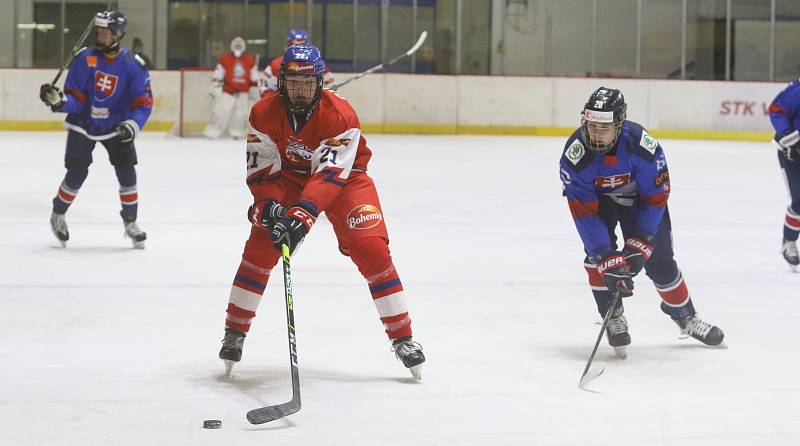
x=271, y=413
x=74, y=51
x=598, y=369
x=413, y=50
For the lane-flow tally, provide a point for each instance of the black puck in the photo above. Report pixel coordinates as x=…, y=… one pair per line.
x=212, y=424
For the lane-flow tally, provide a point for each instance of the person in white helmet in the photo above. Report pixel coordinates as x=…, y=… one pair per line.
x=233, y=83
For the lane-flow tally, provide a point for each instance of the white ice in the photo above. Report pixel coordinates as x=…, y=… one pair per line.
x=104, y=344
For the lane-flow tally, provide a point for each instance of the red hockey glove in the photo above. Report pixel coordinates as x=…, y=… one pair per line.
x=637, y=252
x=614, y=269
x=292, y=226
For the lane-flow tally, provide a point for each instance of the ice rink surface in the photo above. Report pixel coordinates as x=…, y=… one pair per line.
x=104, y=344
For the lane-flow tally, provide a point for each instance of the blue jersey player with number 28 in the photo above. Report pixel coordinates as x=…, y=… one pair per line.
x=613, y=172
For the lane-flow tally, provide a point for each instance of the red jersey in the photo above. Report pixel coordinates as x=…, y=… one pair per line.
x=327, y=151
x=237, y=73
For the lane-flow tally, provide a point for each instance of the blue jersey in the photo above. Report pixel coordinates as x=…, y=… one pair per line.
x=783, y=112
x=632, y=174
x=101, y=92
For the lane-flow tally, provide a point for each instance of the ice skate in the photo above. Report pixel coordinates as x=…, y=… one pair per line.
x=702, y=331
x=409, y=352
x=789, y=252
x=59, y=226
x=133, y=232
x=617, y=333
x=231, y=351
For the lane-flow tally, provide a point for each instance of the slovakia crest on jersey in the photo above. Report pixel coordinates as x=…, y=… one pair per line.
x=105, y=83
x=613, y=182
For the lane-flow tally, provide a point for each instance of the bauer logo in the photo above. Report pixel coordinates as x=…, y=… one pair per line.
x=575, y=152
x=364, y=216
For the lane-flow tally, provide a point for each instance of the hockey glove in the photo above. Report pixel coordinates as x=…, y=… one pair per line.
x=615, y=272
x=125, y=131
x=292, y=226
x=51, y=96
x=790, y=145
x=264, y=213
x=637, y=252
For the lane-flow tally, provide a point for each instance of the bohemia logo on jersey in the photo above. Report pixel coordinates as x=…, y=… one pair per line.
x=613, y=182
x=364, y=216
x=105, y=83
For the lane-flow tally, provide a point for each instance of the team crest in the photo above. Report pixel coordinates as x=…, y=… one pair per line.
x=575, y=152
x=297, y=151
x=105, y=83
x=364, y=216
x=648, y=142
x=612, y=182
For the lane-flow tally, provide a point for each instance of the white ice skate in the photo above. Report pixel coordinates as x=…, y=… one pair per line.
x=618, y=337
x=59, y=226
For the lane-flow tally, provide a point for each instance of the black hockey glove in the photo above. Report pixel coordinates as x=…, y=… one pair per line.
x=126, y=131
x=292, y=226
x=790, y=145
x=264, y=213
x=614, y=269
x=637, y=252
x=51, y=96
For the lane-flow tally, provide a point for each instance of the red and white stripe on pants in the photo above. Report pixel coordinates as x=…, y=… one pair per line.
x=128, y=195
x=674, y=294
x=67, y=194
x=792, y=220
x=372, y=257
x=246, y=292
x=596, y=281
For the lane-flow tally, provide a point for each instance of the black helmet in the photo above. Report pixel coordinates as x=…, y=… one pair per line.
x=114, y=21
x=606, y=106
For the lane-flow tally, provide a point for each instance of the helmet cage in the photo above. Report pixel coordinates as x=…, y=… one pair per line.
x=605, y=107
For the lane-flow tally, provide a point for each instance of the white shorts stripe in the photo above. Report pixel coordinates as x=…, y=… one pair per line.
x=246, y=300
x=391, y=305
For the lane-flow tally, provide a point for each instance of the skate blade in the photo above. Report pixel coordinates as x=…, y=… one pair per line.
x=63, y=243
x=228, y=367
x=138, y=245
x=621, y=352
x=416, y=372
x=594, y=371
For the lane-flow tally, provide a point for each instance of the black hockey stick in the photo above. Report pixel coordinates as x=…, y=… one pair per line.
x=411, y=51
x=271, y=413
x=74, y=51
x=598, y=369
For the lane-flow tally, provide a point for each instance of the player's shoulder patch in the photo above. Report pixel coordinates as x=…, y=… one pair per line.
x=139, y=60
x=648, y=143
x=641, y=143
x=575, y=152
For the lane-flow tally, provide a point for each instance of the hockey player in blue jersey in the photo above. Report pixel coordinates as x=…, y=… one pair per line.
x=107, y=98
x=784, y=112
x=613, y=172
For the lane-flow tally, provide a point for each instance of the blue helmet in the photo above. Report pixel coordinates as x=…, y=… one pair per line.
x=297, y=34
x=114, y=21
x=301, y=61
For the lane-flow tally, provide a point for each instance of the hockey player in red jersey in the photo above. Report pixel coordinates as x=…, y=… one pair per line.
x=306, y=155
x=233, y=84
x=269, y=79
